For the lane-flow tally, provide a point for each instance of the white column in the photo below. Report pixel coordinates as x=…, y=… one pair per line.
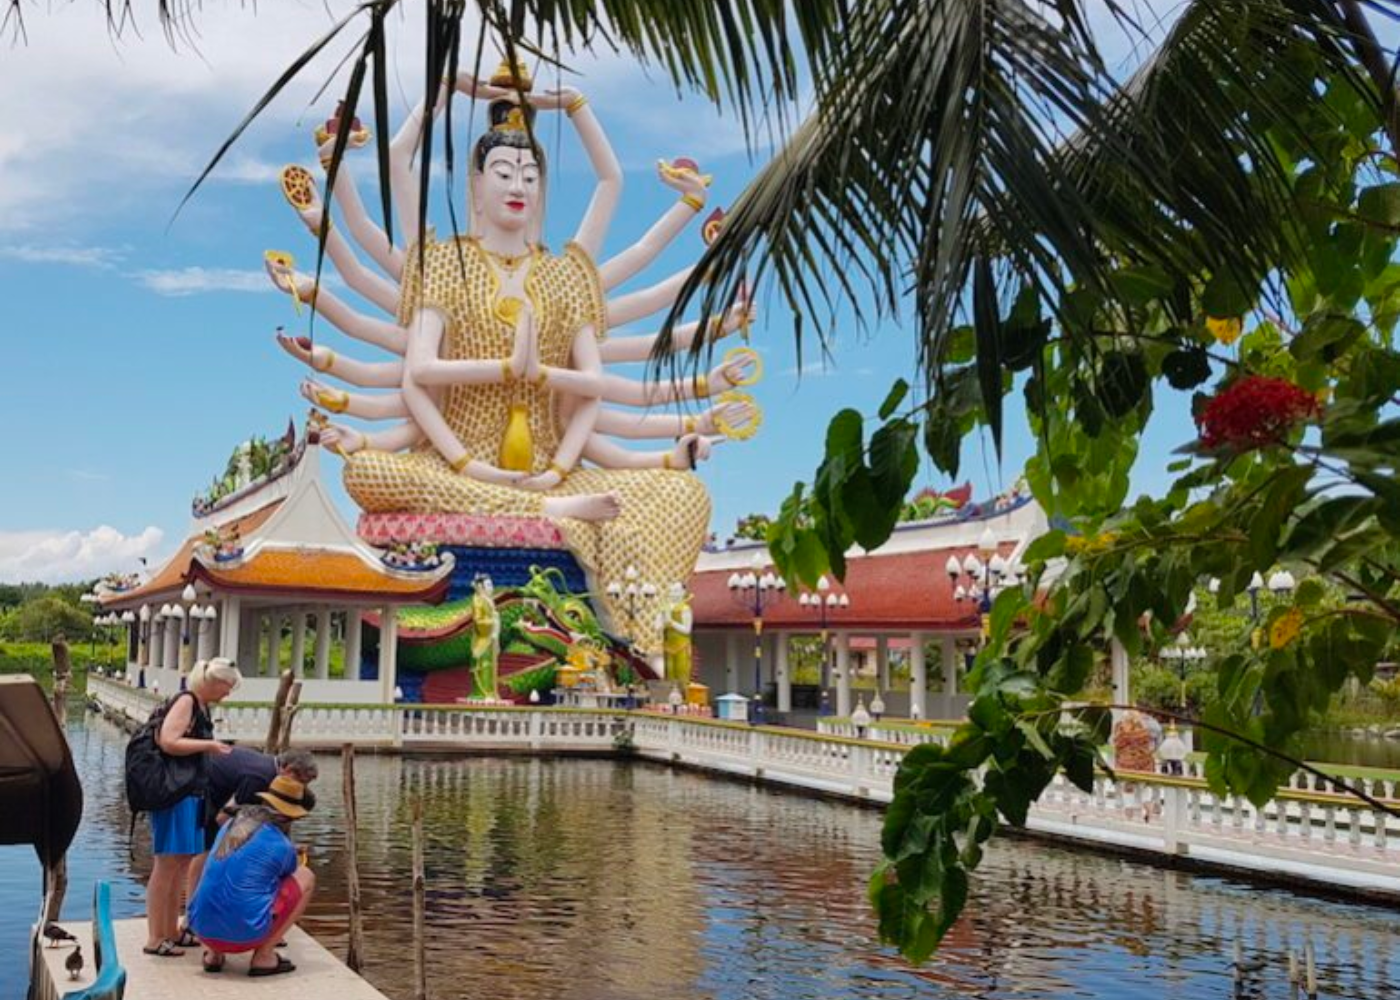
x=1118, y=659
x=206, y=633
x=274, y=644
x=780, y=664
x=352, y=644
x=323, y=643
x=388, y=653
x=918, y=677
x=155, y=646
x=298, y=643
x=171, y=659
x=843, y=673
x=249, y=643
x=882, y=663
x=950, y=672
x=731, y=662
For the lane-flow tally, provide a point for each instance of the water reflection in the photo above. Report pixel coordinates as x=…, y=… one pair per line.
x=580, y=879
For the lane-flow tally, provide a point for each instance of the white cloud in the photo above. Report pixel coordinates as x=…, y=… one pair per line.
x=64, y=556
x=87, y=476
x=198, y=280
x=78, y=256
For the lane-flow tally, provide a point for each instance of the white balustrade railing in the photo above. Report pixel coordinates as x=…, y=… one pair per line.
x=1307, y=832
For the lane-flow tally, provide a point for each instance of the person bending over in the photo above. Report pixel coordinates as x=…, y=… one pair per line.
x=253, y=888
x=236, y=780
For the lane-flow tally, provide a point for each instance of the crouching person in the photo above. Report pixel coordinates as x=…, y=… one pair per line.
x=253, y=888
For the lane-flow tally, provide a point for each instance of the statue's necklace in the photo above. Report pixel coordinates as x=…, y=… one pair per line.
x=510, y=263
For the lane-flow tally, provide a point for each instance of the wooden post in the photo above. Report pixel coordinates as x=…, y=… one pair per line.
x=274, y=726
x=62, y=670
x=289, y=715
x=420, y=964
x=354, y=953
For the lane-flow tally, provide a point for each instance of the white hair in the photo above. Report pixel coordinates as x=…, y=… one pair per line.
x=220, y=668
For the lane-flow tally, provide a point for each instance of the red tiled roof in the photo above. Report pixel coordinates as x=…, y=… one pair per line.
x=906, y=590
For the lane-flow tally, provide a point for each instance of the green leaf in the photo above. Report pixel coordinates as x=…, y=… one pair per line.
x=1141, y=285
x=1279, y=502
x=1380, y=204
x=896, y=396
x=1225, y=296
x=987, y=324
x=1122, y=382
x=1050, y=545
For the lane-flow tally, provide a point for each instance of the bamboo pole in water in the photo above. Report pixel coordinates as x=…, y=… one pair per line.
x=289, y=715
x=354, y=954
x=274, y=725
x=62, y=670
x=420, y=964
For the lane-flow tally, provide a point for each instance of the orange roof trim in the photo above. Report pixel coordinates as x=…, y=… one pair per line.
x=176, y=573
x=318, y=572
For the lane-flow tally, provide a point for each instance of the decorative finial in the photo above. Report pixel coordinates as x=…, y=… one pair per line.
x=520, y=79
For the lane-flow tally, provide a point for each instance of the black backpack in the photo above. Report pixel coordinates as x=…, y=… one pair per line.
x=156, y=779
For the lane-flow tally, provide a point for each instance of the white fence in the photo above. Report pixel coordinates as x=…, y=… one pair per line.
x=1305, y=834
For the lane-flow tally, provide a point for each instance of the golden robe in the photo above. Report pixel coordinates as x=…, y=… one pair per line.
x=664, y=513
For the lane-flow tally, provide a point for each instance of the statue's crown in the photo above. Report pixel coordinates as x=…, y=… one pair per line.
x=514, y=121
x=503, y=77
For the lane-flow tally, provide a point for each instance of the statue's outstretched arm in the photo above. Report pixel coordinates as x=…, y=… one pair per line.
x=371, y=238
x=610, y=455
x=617, y=350
x=365, y=374
x=353, y=324
x=633, y=306
x=635, y=426
x=425, y=339
x=608, y=190
x=692, y=187
x=348, y=440
x=361, y=279
x=403, y=179
x=381, y=406
x=630, y=392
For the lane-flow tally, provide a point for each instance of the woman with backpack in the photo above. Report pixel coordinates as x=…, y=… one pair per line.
x=177, y=831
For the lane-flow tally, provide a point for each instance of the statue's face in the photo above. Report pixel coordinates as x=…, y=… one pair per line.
x=508, y=188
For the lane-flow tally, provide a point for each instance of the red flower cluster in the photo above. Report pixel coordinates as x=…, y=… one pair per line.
x=1253, y=412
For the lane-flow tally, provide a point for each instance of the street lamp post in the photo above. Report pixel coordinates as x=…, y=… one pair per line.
x=824, y=603
x=986, y=577
x=630, y=592
x=756, y=590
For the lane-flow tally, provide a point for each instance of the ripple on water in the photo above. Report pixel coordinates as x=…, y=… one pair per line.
x=582, y=879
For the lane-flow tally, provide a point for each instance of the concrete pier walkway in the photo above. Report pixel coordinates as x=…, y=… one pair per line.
x=319, y=974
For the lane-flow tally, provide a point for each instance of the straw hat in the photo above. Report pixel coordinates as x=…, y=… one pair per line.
x=287, y=796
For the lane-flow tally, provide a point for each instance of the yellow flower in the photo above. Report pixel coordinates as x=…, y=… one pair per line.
x=1285, y=628
x=1225, y=331
x=1076, y=544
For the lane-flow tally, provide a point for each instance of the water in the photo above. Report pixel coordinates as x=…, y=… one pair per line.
x=590, y=879
x=1343, y=748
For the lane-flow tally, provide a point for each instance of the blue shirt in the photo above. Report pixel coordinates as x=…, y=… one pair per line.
x=234, y=899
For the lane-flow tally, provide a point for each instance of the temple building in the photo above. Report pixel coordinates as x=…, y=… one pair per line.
x=901, y=626
x=272, y=577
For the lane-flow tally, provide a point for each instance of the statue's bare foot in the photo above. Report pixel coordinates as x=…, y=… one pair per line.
x=585, y=506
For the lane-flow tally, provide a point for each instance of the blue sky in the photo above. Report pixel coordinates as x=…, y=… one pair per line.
x=139, y=355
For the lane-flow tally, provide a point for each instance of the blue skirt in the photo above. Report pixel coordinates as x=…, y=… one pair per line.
x=176, y=829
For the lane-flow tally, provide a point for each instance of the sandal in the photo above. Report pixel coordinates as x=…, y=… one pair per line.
x=282, y=967
x=215, y=965
x=166, y=949
x=186, y=939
